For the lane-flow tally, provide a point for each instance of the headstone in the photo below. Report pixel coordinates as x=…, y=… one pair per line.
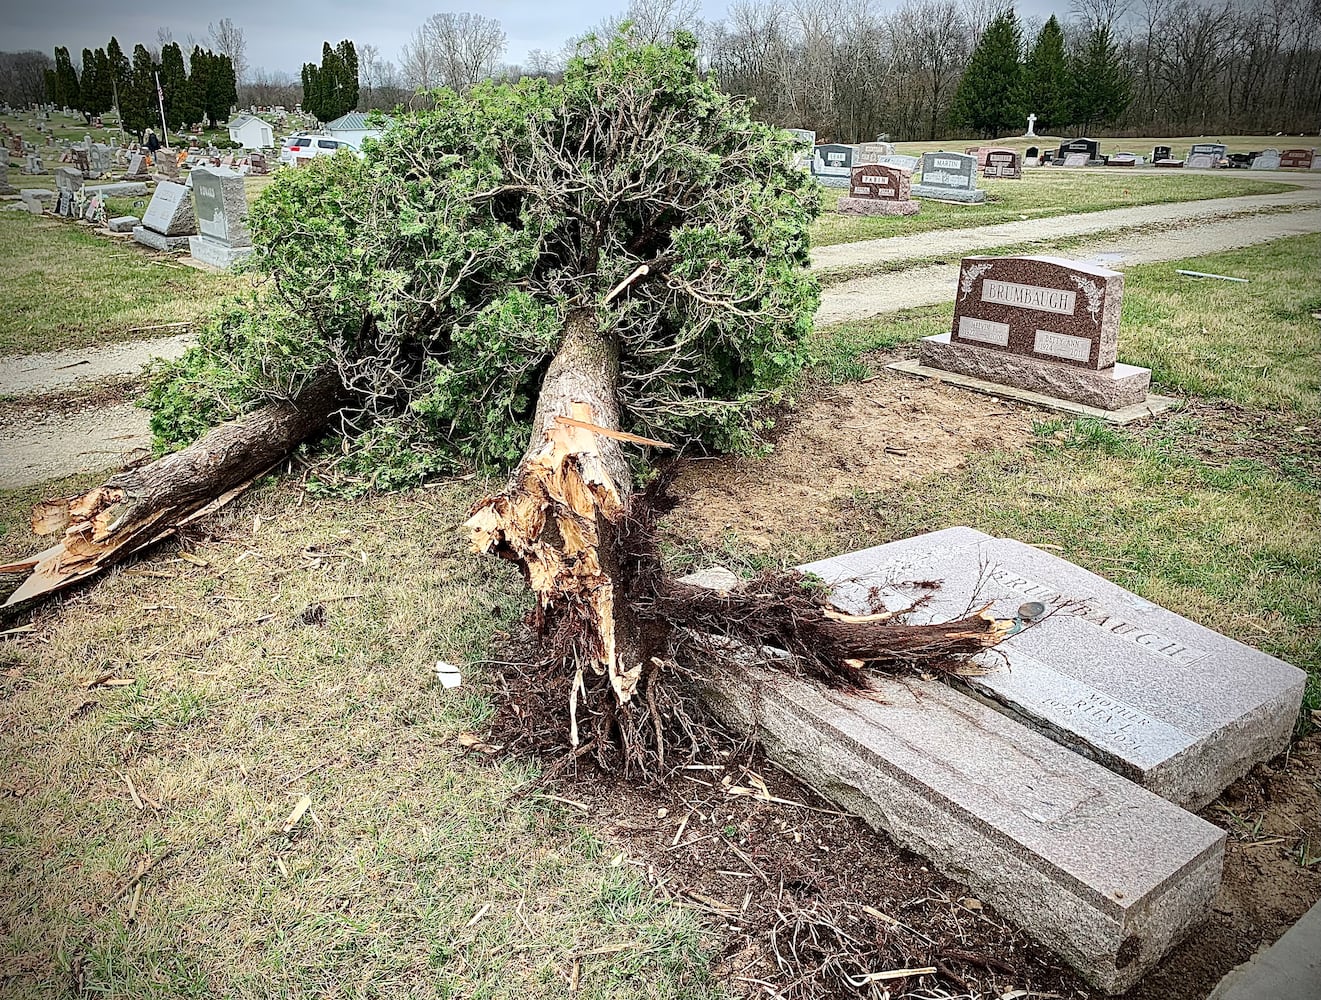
x=1159, y=153
x=1267, y=159
x=1043, y=324
x=257, y=163
x=1003, y=163
x=949, y=177
x=804, y=140
x=980, y=152
x=1121, y=160
x=901, y=161
x=5, y=186
x=1215, y=150
x=1031, y=125
x=1101, y=871
x=16, y=144
x=168, y=167
x=878, y=189
x=137, y=169
x=1090, y=148
x=81, y=161
x=873, y=152
x=169, y=220
x=122, y=224
x=1297, y=159
x=1200, y=161
x=1169, y=704
x=32, y=200
x=1075, y=159
x=222, y=214
x=832, y=164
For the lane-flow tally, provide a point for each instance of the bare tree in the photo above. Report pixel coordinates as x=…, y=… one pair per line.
x=227, y=39
x=453, y=50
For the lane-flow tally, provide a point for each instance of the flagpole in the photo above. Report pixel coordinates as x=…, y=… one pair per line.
x=160, y=95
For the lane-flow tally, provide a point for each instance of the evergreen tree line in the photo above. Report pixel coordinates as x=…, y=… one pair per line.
x=331, y=89
x=1068, y=91
x=202, y=89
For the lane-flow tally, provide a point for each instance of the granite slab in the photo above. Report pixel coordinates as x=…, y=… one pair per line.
x=158, y=241
x=1112, y=388
x=1172, y=705
x=1102, y=872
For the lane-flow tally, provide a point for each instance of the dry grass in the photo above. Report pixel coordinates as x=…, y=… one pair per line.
x=1043, y=194
x=242, y=700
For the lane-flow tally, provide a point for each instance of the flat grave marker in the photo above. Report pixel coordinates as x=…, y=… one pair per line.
x=1172, y=705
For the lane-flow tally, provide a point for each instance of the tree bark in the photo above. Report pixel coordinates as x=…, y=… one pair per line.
x=566, y=506
x=141, y=506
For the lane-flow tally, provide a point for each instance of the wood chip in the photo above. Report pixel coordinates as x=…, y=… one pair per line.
x=478, y=915
x=303, y=805
x=137, y=800
x=880, y=977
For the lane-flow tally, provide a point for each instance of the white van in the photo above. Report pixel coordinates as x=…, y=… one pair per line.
x=303, y=145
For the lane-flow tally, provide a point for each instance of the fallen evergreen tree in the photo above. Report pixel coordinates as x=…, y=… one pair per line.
x=563, y=280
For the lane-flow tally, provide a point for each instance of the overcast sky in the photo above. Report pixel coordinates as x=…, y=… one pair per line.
x=284, y=34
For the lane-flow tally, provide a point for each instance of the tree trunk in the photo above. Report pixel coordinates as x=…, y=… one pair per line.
x=564, y=511
x=141, y=506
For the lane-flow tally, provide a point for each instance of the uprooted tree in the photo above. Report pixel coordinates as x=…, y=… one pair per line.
x=559, y=278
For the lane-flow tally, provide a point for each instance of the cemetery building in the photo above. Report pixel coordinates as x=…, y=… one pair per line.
x=353, y=128
x=251, y=132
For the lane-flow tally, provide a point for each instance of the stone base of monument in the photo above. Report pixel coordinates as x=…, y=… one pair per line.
x=123, y=224
x=215, y=253
x=831, y=181
x=948, y=194
x=1110, y=389
x=151, y=238
x=118, y=189
x=1102, y=872
x=877, y=206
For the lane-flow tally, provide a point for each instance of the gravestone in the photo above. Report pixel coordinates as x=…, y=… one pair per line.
x=804, y=143
x=168, y=167
x=1159, y=153
x=5, y=186
x=257, y=164
x=222, y=217
x=137, y=168
x=1089, y=148
x=169, y=220
x=68, y=182
x=1075, y=160
x=80, y=160
x=878, y=189
x=1267, y=159
x=901, y=161
x=1105, y=873
x=949, y=177
x=1043, y=324
x=1297, y=159
x=122, y=224
x=873, y=152
x=1032, y=153
x=1169, y=704
x=1003, y=163
x=1031, y=126
x=1121, y=160
x=832, y=164
x=16, y=144
x=981, y=153
x=1200, y=161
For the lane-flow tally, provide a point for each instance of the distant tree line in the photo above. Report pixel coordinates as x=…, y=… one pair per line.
x=200, y=88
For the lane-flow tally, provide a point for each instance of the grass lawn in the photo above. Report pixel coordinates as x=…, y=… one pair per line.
x=292, y=653
x=1142, y=147
x=1041, y=194
x=67, y=287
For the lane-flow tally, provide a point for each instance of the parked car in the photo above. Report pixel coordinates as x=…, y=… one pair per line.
x=303, y=145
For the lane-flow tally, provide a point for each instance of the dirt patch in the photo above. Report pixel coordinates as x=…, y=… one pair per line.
x=861, y=437
x=1218, y=433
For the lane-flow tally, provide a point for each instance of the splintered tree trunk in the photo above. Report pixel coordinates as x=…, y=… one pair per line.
x=141, y=506
x=561, y=516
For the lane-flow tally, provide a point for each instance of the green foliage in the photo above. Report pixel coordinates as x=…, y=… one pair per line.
x=212, y=88
x=439, y=272
x=94, y=89
x=331, y=89
x=137, y=101
x=1046, y=79
x=989, y=97
x=174, y=83
x=1100, y=90
x=248, y=353
x=66, y=80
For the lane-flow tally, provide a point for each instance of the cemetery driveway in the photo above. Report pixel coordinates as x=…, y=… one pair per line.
x=951, y=242
x=934, y=284
x=60, y=371
x=41, y=445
